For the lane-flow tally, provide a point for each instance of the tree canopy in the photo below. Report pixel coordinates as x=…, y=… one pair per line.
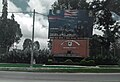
x=70, y=4
x=105, y=23
x=114, y=5
x=10, y=31
x=27, y=44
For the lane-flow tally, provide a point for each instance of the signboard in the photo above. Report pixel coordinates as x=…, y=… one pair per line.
x=70, y=48
x=77, y=23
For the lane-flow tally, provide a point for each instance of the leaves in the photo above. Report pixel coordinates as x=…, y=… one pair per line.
x=105, y=23
x=27, y=45
x=10, y=31
x=114, y=5
x=70, y=4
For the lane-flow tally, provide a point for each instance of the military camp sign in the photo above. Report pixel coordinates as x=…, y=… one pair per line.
x=77, y=23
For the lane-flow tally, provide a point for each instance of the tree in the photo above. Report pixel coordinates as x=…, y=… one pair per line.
x=83, y=4
x=70, y=4
x=105, y=23
x=114, y=6
x=10, y=31
x=36, y=45
x=95, y=46
x=27, y=44
x=40, y=56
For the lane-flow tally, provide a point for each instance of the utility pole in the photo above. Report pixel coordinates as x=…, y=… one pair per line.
x=32, y=51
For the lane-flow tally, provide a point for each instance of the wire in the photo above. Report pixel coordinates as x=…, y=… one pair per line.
x=30, y=12
x=41, y=14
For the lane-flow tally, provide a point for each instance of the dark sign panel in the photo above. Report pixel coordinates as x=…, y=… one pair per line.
x=70, y=23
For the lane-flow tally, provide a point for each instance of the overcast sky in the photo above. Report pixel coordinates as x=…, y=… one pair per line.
x=26, y=20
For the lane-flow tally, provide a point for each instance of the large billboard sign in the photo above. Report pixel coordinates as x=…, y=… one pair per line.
x=77, y=23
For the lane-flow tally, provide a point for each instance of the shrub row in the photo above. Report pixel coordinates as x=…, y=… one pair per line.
x=87, y=62
x=21, y=56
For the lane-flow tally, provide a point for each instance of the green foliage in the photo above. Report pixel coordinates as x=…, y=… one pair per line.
x=91, y=62
x=97, y=5
x=70, y=4
x=83, y=62
x=87, y=62
x=109, y=59
x=118, y=62
x=27, y=44
x=105, y=23
x=69, y=61
x=114, y=6
x=95, y=45
x=50, y=61
x=14, y=65
x=36, y=45
x=54, y=69
x=41, y=56
x=10, y=31
x=24, y=56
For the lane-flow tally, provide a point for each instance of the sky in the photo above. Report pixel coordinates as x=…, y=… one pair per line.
x=26, y=20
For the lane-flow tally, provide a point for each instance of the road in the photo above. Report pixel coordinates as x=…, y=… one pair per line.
x=58, y=77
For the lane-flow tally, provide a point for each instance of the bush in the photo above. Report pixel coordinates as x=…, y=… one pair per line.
x=83, y=62
x=23, y=56
x=91, y=62
x=68, y=61
x=87, y=63
x=119, y=62
x=50, y=61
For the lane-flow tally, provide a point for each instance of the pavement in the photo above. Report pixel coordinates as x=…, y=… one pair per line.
x=7, y=76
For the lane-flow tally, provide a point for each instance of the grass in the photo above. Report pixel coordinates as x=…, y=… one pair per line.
x=14, y=65
x=61, y=69
x=109, y=66
x=85, y=70
x=35, y=66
